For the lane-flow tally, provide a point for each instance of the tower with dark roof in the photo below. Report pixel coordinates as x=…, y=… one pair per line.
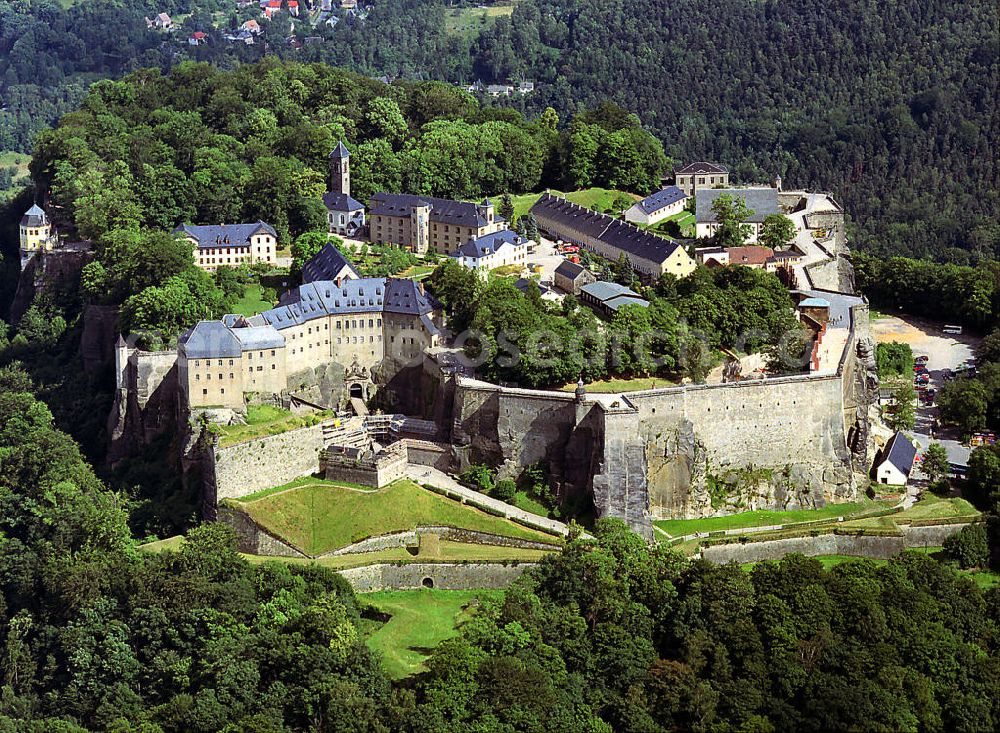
x=340, y=170
x=35, y=230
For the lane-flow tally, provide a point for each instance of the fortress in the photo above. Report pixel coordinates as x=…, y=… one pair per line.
x=693, y=450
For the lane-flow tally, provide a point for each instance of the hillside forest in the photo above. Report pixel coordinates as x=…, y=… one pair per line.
x=890, y=107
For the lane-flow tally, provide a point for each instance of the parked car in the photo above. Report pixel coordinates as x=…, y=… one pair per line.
x=921, y=379
x=953, y=330
x=920, y=369
x=922, y=359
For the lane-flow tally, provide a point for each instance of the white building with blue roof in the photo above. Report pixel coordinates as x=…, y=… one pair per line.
x=657, y=207
x=490, y=251
x=232, y=245
x=893, y=466
x=368, y=323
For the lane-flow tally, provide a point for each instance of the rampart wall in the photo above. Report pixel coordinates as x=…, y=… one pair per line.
x=881, y=548
x=262, y=463
x=448, y=576
x=780, y=443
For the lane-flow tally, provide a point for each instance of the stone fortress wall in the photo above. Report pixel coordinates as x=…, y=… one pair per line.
x=655, y=453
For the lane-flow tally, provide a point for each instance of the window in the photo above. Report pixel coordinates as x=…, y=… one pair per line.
x=272, y=352
x=230, y=364
x=204, y=391
x=260, y=368
x=272, y=366
x=197, y=377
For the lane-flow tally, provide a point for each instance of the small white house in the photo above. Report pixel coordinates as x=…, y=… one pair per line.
x=656, y=208
x=893, y=466
x=491, y=251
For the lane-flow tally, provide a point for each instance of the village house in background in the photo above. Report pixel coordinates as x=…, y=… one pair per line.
x=693, y=176
x=657, y=207
x=231, y=244
x=490, y=251
x=421, y=223
x=761, y=201
x=344, y=214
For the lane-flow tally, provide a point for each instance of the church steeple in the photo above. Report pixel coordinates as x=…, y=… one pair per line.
x=340, y=170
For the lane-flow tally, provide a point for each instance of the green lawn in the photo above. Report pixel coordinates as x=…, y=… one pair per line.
x=321, y=516
x=251, y=303
x=468, y=21
x=587, y=197
x=421, y=619
x=529, y=504
x=606, y=386
x=930, y=506
x=760, y=518
x=264, y=420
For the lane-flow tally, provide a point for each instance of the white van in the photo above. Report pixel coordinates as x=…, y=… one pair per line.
x=953, y=330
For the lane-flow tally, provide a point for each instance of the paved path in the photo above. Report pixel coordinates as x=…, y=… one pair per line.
x=438, y=478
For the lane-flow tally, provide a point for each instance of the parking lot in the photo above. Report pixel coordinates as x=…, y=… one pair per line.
x=944, y=352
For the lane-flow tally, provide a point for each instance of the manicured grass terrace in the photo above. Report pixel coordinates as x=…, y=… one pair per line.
x=320, y=516
x=265, y=420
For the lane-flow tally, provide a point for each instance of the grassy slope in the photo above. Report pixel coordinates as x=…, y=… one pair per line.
x=420, y=620
x=759, y=518
x=264, y=420
x=322, y=516
x=251, y=303
x=623, y=385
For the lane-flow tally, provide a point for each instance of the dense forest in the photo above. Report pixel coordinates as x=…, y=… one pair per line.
x=891, y=107
x=608, y=635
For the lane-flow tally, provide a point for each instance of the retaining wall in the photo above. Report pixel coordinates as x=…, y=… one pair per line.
x=447, y=576
x=263, y=463
x=881, y=548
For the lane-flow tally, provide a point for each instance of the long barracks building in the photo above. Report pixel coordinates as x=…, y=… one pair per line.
x=649, y=255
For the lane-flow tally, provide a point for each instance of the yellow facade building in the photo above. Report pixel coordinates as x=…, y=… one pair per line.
x=35, y=231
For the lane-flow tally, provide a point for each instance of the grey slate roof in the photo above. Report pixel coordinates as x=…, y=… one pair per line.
x=614, y=232
x=620, y=300
x=900, y=452
x=605, y=291
x=761, y=201
x=210, y=339
x=570, y=270
x=259, y=337
x=325, y=264
x=443, y=211
x=341, y=202
x=701, y=167
x=340, y=151
x=489, y=243
x=366, y=295
x=663, y=198
x=225, y=235
x=34, y=217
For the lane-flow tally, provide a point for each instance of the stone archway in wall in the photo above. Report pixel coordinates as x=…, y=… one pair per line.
x=358, y=380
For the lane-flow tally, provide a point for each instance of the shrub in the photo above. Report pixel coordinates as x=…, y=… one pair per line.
x=478, y=477
x=969, y=547
x=505, y=490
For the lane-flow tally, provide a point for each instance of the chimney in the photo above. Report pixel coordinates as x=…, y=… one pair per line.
x=420, y=284
x=338, y=281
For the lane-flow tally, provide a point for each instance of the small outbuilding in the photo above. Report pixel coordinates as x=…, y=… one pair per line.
x=893, y=466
